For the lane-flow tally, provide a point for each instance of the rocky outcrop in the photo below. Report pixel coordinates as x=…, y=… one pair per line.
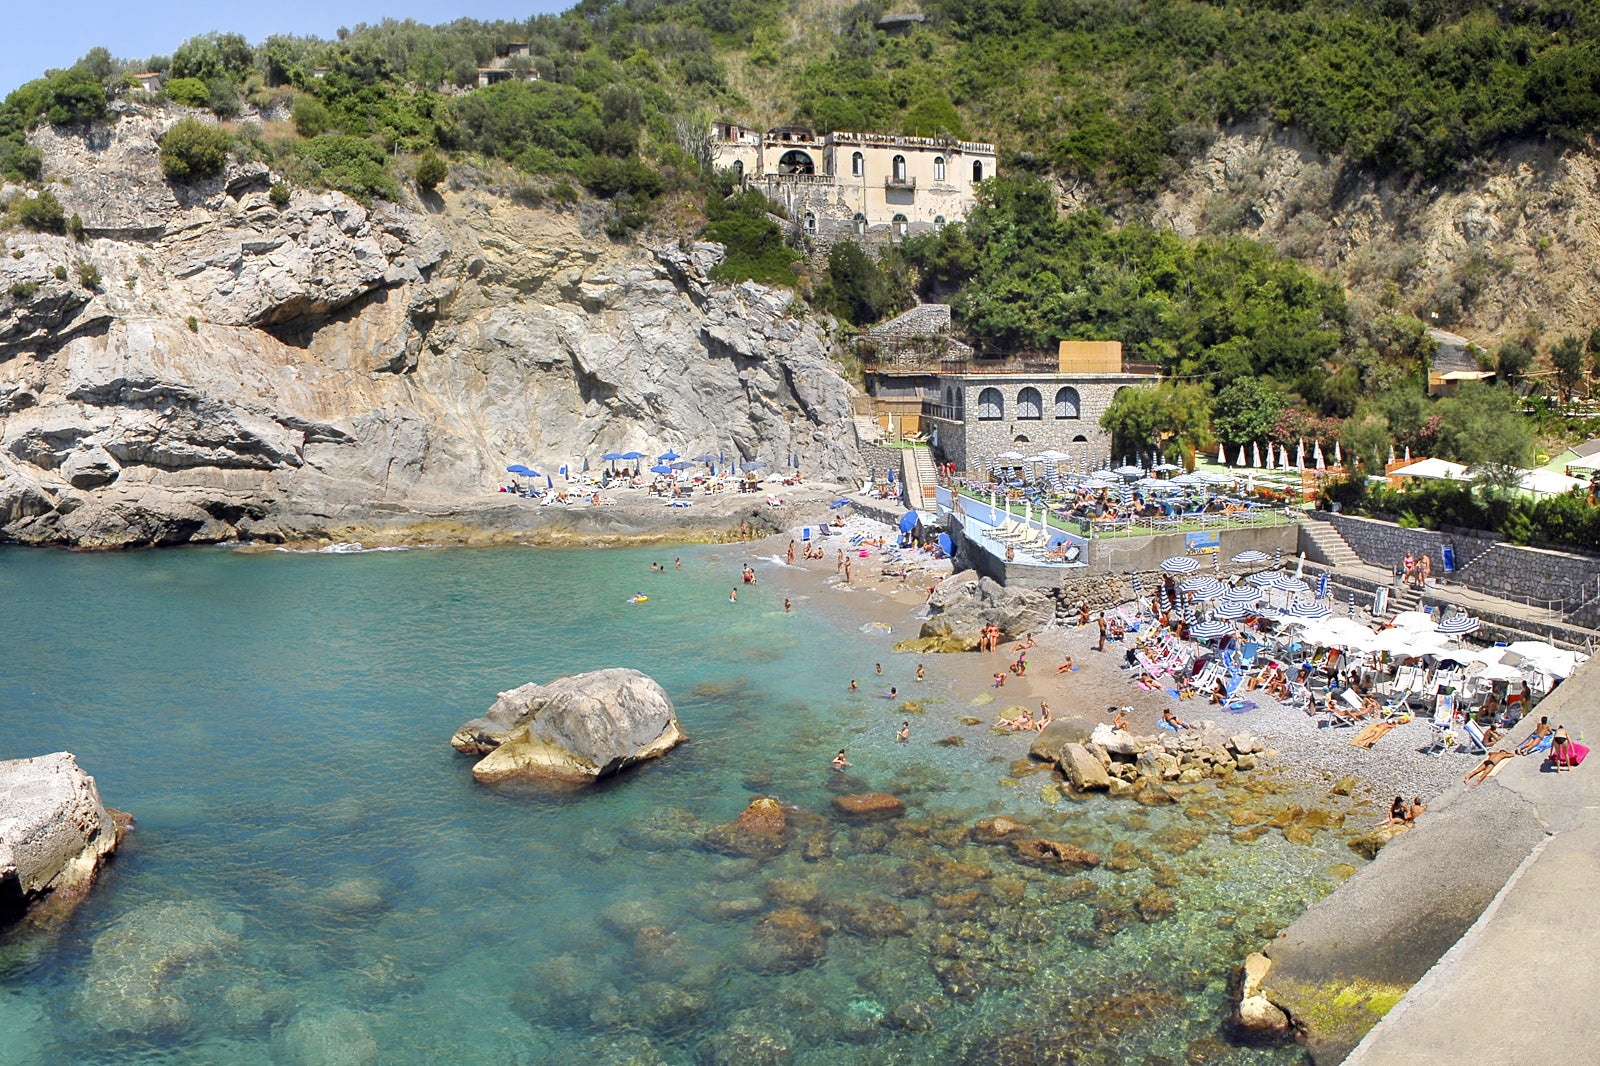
x=575, y=729
x=869, y=806
x=1083, y=770
x=760, y=832
x=54, y=832
x=245, y=370
x=964, y=603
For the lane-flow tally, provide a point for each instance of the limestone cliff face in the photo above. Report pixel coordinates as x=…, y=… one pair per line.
x=249, y=370
x=1507, y=247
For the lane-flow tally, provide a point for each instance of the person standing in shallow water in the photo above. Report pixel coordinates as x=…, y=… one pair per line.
x=905, y=732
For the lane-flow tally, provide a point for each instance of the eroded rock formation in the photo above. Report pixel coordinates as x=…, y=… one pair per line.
x=54, y=832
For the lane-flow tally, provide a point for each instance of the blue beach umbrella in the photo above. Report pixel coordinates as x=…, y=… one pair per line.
x=908, y=521
x=1310, y=610
x=1231, y=611
x=611, y=457
x=518, y=468
x=1138, y=586
x=756, y=465
x=1203, y=586
x=668, y=456
x=661, y=468
x=947, y=545
x=705, y=458
x=631, y=455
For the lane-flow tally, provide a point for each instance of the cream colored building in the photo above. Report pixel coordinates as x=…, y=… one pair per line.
x=872, y=186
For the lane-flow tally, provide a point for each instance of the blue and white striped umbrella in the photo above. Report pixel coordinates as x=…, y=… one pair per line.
x=1243, y=596
x=1264, y=579
x=1215, y=627
x=1457, y=625
x=1203, y=586
x=1285, y=583
x=1309, y=610
x=1231, y=611
x=1161, y=598
x=1251, y=557
x=1352, y=604
x=1179, y=564
x=1138, y=586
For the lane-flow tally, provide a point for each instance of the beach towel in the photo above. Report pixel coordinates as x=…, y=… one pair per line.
x=1168, y=726
x=1239, y=706
x=1573, y=756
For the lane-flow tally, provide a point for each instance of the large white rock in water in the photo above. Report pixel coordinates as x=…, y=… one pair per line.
x=54, y=831
x=575, y=729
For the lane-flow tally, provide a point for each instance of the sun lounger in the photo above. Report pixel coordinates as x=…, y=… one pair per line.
x=1444, y=713
x=1472, y=735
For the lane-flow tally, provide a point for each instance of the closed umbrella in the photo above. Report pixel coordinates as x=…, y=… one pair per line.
x=1222, y=456
x=1138, y=586
x=1255, y=455
x=1336, y=460
x=1317, y=455
x=1240, y=461
x=1179, y=564
x=1300, y=455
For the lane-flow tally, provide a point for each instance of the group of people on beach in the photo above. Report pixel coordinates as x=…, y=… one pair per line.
x=1418, y=569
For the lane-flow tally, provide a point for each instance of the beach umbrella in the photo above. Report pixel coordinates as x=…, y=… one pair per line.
x=1210, y=629
x=1270, y=464
x=1322, y=586
x=1336, y=460
x=1243, y=596
x=680, y=465
x=1161, y=598
x=1391, y=451
x=1316, y=455
x=611, y=457
x=1309, y=609
x=1179, y=564
x=1352, y=605
x=518, y=468
x=661, y=468
x=1203, y=587
x=1138, y=586
x=1240, y=460
x=1415, y=621
x=908, y=521
x=705, y=458
x=1263, y=579
x=548, y=484
x=1408, y=453
x=1255, y=455
x=1128, y=470
x=759, y=463
x=1251, y=557
x=1283, y=456
x=1188, y=480
x=1457, y=625
x=1277, y=556
x=631, y=455
x=668, y=456
x=1222, y=456
x=1231, y=611
x=1166, y=468
x=1285, y=583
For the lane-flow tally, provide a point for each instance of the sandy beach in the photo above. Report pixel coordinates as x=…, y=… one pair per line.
x=892, y=594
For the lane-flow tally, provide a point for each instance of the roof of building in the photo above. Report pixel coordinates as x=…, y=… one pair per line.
x=1454, y=354
x=905, y=18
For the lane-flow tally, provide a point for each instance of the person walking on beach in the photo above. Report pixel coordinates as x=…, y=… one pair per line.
x=1102, y=645
x=905, y=732
x=791, y=553
x=1083, y=613
x=837, y=567
x=919, y=672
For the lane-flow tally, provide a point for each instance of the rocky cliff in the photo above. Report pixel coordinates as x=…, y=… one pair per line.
x=248, y=370
x=1491, y=254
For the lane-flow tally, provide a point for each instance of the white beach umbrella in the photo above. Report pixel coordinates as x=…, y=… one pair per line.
x=1336, y=460
x=1222, y=455
x=1240, y=460
x=1270, y=464
x=1255, y=455
x=1408, y=453
x=1283, y=456
x=1316, y=455
x=1391, y=451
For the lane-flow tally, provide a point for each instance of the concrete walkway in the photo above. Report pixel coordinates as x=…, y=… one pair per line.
x=1522, y=985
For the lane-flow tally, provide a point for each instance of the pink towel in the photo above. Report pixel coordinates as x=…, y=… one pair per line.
x=1573, y=755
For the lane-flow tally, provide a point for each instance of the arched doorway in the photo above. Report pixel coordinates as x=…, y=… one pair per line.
x=795, y=161
x=977, y=170
x=900, y=226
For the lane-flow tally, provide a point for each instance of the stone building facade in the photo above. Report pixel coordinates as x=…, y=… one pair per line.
x=869, y=187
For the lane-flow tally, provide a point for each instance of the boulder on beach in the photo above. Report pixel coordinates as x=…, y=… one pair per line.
x=1083, y=770
x=54, y=832
x=1054, y=855
x=1058, y=734
x=760, y=832
x=963, y=604
x=575, y=729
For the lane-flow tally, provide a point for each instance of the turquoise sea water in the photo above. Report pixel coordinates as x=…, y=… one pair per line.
x=314, y=876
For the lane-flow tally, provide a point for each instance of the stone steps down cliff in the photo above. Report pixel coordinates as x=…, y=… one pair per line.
x=250, y=370
x=1328, y=545
x=920, y=479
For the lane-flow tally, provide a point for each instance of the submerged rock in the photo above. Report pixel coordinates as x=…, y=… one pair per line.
x=1054, y=855
x=787, y=939
x=575, y=729
x=760, y=832
x=1047, y=746
x=336, y=1037
x=869, y=807
x=54, y=832
x=158, y=971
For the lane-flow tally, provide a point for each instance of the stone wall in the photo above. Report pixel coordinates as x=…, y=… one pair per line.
x=1561, y=580
x=1386, y=544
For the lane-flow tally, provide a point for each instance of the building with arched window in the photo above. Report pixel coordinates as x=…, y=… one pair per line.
x=1067, y=402
x=900, y=186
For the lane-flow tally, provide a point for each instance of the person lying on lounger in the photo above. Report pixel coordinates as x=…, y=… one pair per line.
x=1481, y=772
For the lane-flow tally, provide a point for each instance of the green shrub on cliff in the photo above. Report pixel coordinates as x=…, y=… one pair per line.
x=756, y=248
x=194, y=149
x=190, y=92
x=350, y=164
x=41, y=213
x=431, y=170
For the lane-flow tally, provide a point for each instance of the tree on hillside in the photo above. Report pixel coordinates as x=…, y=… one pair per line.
x=1141, y=419
x=1245, y=411
x=1513, y=360
x=1566, y=355
x=1483, y=426
x=1594, y=352
x=862, y=290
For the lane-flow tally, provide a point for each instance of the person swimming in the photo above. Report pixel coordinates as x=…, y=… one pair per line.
x=840, y=762
x=892, y=694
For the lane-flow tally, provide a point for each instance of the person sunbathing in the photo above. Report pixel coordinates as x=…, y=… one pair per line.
x=1540, y=731
x=1019, y=723
x=1045, y=717
x=1397, y=812
x=1482, y=771
x=1415, y=811
x=1219, y=692
x=1174, y=721
x=1120, y=722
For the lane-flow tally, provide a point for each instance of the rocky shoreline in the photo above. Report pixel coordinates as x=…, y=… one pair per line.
x=55, y=834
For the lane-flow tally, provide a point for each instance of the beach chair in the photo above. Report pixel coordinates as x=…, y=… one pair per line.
x=1299, y=697
x=1472, y=738
x=1444, y=715
x=1248, y=655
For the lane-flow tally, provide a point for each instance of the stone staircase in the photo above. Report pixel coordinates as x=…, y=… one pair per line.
x=920, y=478
x=1328, y=546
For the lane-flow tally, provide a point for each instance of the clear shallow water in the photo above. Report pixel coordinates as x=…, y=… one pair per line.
x=315, y=878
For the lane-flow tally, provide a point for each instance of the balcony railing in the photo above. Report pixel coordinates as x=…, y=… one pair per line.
x=900, y=184
x=948, y=412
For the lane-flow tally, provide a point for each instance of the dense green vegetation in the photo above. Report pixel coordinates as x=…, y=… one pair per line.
x=194, y=149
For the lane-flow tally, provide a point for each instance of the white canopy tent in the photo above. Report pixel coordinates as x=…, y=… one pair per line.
x=1437, y=469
